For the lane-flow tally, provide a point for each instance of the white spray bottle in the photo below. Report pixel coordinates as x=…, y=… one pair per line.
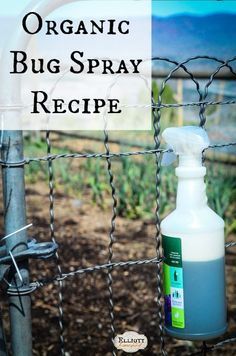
x=193, y=245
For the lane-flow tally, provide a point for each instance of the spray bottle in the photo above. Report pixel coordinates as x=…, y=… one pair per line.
x=193, y=246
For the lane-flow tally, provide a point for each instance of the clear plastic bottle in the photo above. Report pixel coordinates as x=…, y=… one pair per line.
x=193, y=244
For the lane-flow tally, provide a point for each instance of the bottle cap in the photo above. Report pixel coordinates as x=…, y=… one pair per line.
x=187, y=142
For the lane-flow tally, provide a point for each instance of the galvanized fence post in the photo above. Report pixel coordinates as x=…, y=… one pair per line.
x=13, y=182
x=14, y=219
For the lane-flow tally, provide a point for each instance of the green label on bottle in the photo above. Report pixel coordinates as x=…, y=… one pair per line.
x=173, y=282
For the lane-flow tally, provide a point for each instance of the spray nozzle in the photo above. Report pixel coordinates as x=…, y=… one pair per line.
x=187, y=142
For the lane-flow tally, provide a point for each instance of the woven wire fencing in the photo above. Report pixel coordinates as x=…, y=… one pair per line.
x=62, y=280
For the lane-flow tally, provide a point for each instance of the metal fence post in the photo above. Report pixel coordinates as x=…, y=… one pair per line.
x=13, y=181
x=15, y=218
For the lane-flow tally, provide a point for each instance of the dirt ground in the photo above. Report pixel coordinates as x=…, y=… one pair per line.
x=82, y=233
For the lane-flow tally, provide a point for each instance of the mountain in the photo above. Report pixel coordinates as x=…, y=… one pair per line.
x=182, y=36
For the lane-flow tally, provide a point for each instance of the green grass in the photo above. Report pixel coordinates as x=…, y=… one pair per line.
x=135, y=183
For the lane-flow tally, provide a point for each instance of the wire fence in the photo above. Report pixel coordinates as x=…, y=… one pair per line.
x=108, y=155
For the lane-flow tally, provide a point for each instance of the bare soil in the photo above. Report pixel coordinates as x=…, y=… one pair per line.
x=82, y=231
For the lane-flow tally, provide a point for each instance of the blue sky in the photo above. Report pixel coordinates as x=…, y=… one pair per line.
x=160, y=7
x=202, y=7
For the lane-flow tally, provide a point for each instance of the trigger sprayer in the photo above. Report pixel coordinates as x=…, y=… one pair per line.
x=193, y=246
